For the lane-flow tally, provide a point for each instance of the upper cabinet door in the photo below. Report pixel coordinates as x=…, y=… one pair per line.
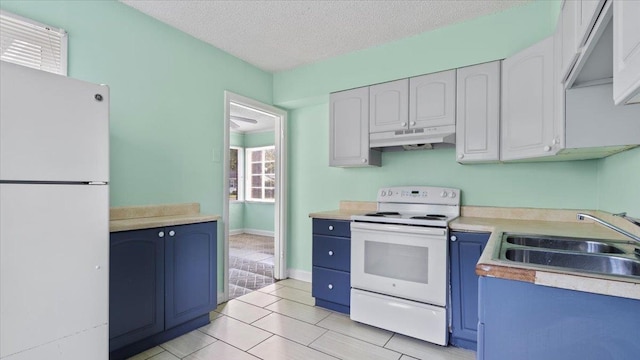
x=586, y=14
x=626, y=52
x=528, y=103
x=389, y=106
x=349, y=129
x=432, y=100
x=478, y=113
x=567, y=25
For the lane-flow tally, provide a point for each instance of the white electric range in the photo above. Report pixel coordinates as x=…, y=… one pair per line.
x=399, y=261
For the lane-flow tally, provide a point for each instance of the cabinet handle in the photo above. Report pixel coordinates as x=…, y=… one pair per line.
x=547, y=148
x=161, y=234
x=364, y=161
x=454, y=238
x=171, y=233
x=413, y=123
x=330, y=253
x=330, y=227
x=460, y=156
x=403, y=124
x=330, y=286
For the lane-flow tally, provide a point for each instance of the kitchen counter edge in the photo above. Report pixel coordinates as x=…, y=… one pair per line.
x=159, y=221
x=565, y=279
x=487, y=266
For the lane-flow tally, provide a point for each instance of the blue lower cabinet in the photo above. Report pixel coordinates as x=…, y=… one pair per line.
x=520, y=320
x=331, y=277
x=331, y=285
x=190, y=272
x=465, y=250
x=162, y=284
x=136, y=286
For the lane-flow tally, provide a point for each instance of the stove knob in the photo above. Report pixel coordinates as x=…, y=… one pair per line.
x=389, y=193
x=384, y=193
x=444, y=194
x=452, y=195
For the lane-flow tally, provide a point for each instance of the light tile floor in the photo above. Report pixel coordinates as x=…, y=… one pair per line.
x=277, y=323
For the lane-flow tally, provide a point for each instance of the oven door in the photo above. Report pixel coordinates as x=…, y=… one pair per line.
x=400, y=260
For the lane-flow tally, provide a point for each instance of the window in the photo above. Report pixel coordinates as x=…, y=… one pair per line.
x=32, y=44
x=236, y=173
x=261, y=174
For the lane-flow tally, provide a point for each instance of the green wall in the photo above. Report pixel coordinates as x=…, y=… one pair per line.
x=619, y=182
x=252, y=215
x=479, y=40
x=167, y=99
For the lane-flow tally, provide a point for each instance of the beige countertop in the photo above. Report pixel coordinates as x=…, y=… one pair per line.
x=347, y=208
x=153, y=216
x=530, y=221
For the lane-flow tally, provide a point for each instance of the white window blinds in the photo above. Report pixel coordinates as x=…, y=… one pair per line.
x=29, y=43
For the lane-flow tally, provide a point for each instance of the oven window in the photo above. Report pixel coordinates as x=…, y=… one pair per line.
x=395, y=261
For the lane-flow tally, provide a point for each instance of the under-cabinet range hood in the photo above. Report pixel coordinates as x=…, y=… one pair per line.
x=421, y=138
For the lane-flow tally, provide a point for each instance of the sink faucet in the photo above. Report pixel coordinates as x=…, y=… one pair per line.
x=582, y=216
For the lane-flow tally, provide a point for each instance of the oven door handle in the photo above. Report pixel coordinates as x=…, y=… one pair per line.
x=398, y=228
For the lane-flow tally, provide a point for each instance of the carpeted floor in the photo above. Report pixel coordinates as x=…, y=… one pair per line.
x=250, y=263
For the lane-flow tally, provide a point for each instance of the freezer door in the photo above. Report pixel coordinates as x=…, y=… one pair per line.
x=52, y=128
x=54, y=258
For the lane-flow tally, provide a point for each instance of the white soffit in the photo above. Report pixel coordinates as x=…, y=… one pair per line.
x=281, y=35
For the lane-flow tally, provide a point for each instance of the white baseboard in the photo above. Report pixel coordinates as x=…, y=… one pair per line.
x=259, y=232
x=236, y=232
x=299, y=275
x=253, y=232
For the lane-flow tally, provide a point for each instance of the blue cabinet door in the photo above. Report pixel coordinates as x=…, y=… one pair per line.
x=190, y=272
x=136, y=286
x=465, y=252
x=525, y=321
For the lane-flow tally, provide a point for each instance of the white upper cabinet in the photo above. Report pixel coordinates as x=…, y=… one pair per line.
x=586, y=13
x=349, y=130
x=626, y=52
x=478, y=113
x=432, y=100
x=567, y=26
x=528, y=121
x=389, y=106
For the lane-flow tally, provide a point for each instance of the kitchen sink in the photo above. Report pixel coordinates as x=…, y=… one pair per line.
x=605, y=264
x=564, y=243
x=610, y=257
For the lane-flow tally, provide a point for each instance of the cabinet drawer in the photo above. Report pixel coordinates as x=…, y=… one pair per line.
x=331, y=285
x=332, y=227
x=332, y=252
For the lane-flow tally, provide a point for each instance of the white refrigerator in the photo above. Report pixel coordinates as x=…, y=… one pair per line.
x=54, y=216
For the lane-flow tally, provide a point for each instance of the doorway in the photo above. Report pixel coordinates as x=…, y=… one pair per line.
x=254, y=215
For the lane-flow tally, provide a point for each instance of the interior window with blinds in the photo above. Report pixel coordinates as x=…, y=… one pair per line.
x=30, y=43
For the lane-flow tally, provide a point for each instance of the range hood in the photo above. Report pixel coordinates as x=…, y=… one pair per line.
x=409, y=139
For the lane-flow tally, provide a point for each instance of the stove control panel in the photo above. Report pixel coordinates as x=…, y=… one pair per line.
x=420, y=195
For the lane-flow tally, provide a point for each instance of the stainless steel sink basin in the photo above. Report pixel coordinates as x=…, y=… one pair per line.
x=563, y=243
x=605, y=264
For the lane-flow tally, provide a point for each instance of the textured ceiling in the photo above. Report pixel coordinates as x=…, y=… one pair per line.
x=281, y=35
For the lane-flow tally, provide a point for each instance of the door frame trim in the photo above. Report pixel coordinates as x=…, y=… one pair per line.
x=280, y=205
